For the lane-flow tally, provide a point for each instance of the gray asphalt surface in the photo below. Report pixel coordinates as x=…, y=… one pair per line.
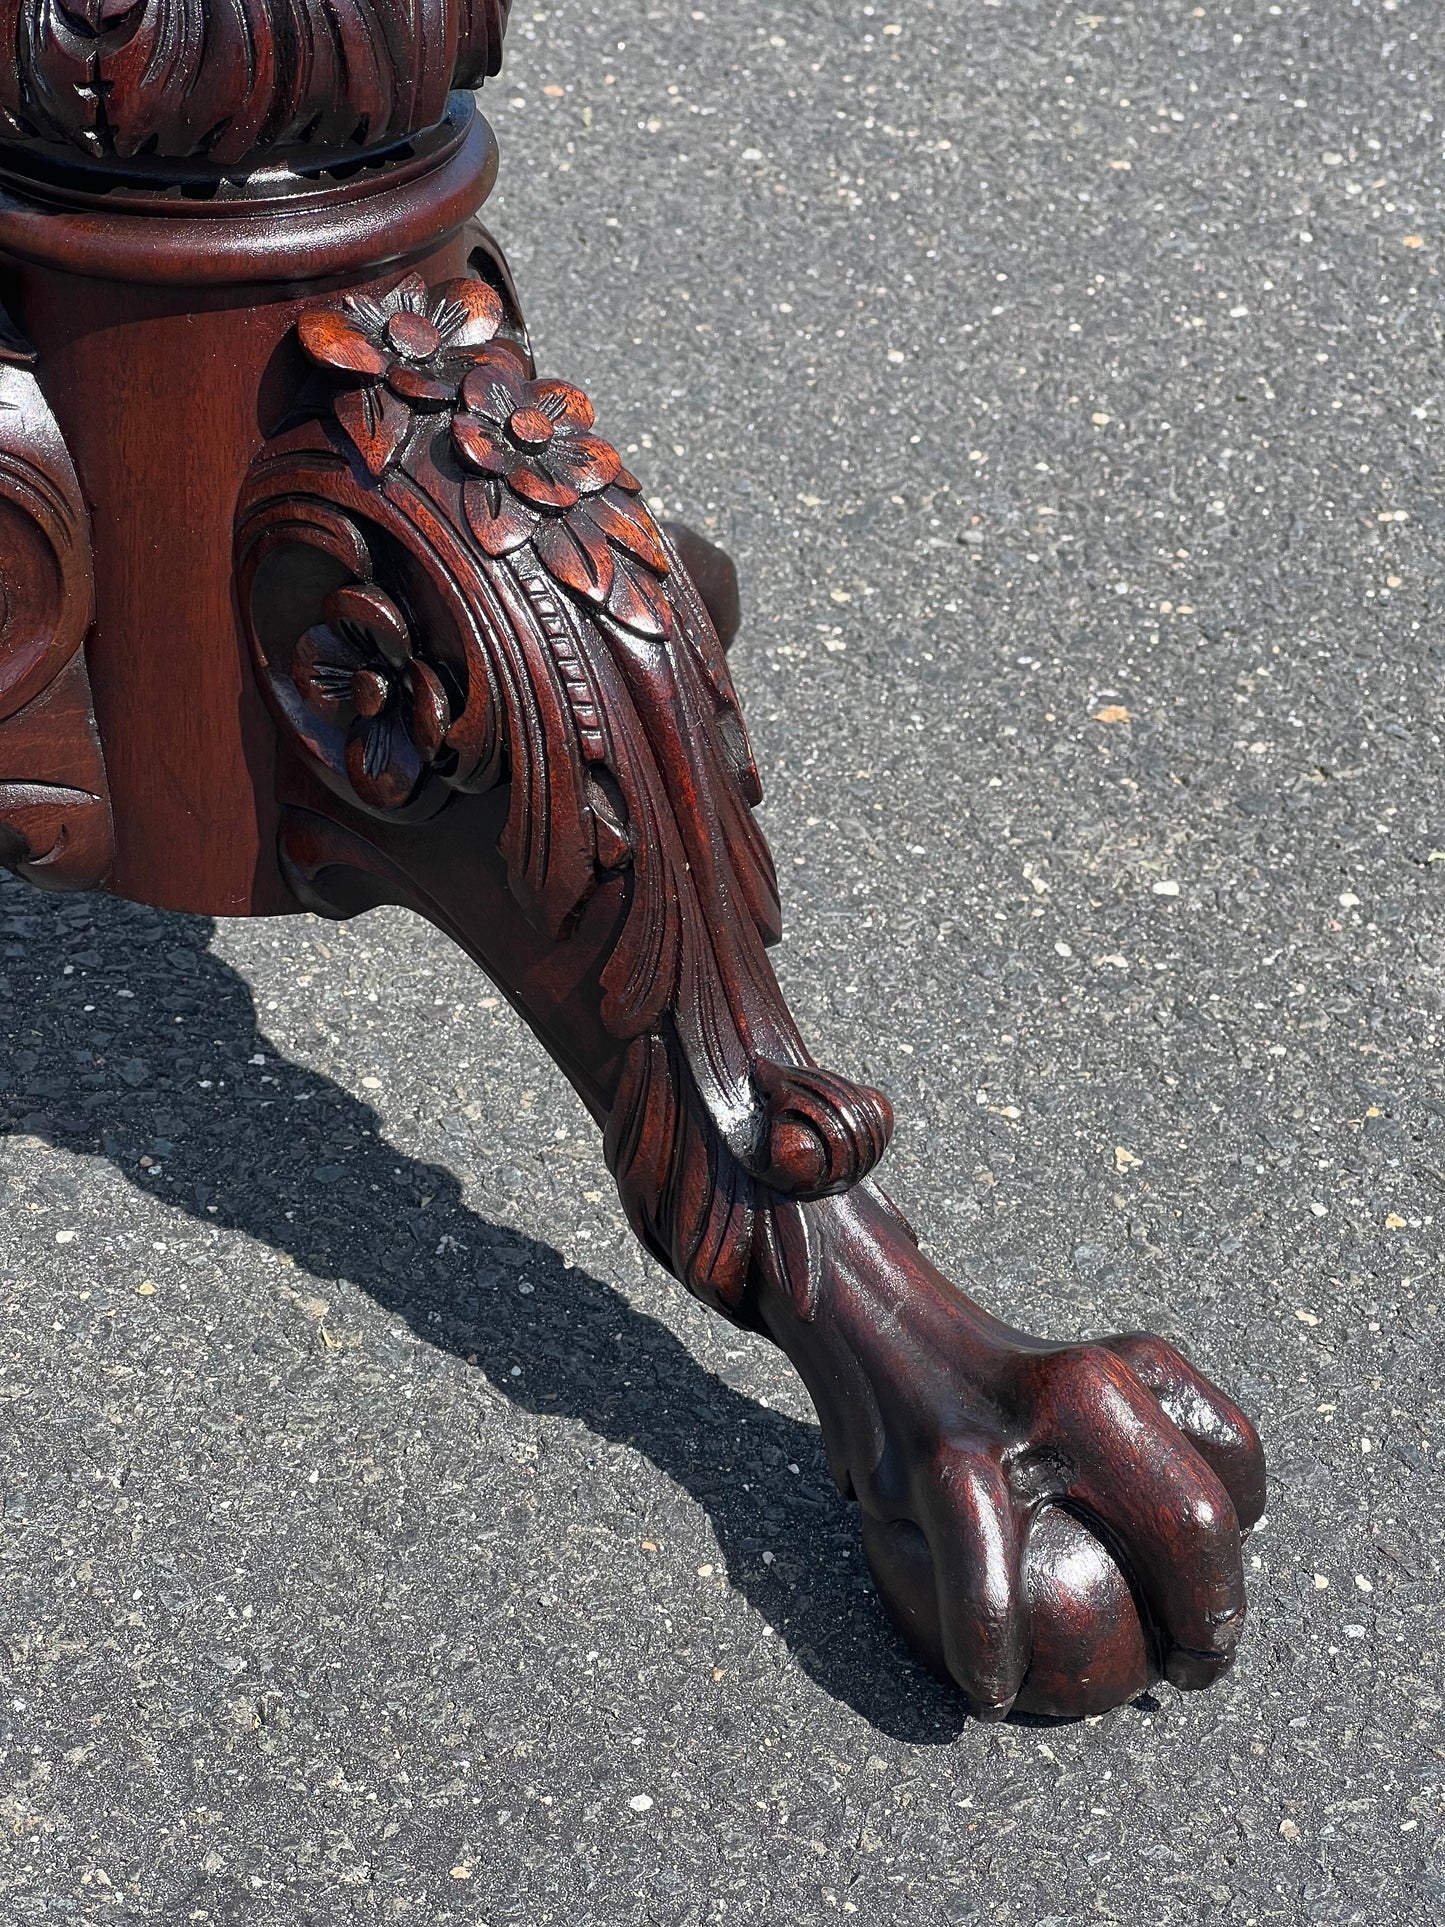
x=383, y=1538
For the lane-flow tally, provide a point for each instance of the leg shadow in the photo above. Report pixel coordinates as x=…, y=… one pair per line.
x=93, y=1059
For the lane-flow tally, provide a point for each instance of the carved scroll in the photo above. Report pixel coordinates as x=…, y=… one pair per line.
x=454, y=586
x=168, y=79
x=55, y=825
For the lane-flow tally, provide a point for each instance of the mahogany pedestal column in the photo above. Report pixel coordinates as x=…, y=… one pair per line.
x=313, y=595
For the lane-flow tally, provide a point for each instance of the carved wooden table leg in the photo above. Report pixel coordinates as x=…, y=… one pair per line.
x=508, y=708
x=381, y=618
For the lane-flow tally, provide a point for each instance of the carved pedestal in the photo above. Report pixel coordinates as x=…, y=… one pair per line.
x=313, y=594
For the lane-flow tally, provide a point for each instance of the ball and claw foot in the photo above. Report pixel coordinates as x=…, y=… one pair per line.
x=1053, y=1527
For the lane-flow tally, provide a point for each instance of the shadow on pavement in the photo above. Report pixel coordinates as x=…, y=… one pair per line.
x=329, y=1191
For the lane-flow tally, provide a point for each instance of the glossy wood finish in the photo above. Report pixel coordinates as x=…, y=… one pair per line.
x=381, y=617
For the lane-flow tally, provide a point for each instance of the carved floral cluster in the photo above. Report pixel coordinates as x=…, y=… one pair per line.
x=535, y=477
x=399, y=354
x=360, y=671
x=547, y=480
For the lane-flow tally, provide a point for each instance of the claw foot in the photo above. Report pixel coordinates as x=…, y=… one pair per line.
x=1052, y=1527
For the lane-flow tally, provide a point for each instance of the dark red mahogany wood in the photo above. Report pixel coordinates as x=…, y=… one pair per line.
x=166, y=328
x=372, y=614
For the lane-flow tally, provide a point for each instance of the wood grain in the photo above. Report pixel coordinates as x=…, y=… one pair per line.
x=163, y=393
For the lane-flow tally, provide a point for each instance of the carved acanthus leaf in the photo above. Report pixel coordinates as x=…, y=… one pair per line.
x=497, y=606
x=223, y=82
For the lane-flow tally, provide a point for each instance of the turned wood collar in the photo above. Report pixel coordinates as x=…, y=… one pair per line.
x=274, y=225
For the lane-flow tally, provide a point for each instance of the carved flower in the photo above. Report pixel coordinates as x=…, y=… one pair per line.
x=358, y=670
x=548, y=480
x=406, y=350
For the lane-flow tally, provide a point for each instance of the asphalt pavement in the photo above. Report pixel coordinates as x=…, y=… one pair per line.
x=384, y=1539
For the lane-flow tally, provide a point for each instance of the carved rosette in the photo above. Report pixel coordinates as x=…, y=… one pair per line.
x=237, y=80
x=452, y=585
x=55, y=825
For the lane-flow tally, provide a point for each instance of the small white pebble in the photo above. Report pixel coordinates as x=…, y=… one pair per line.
x=1321, y=1583
x=1062, y=950
x=1168, y=888
x=1363, y=1583
x=1354, y=1632
x=1348, y=900
x=641, y=1803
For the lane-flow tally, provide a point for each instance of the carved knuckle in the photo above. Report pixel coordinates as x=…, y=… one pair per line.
x=949, y=1467
x=1090, y=1372
x=824, y=1135
x=1201, y=1516
x=1155, y=1357
x=968, y=1485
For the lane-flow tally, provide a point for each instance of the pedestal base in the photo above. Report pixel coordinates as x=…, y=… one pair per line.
x=380, y=617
